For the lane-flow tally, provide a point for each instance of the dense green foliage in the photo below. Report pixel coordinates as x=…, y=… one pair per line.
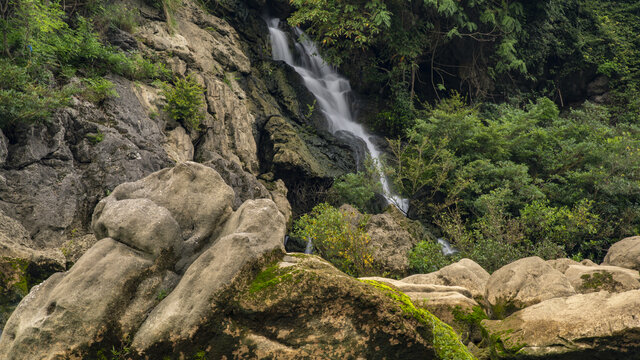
x=338, y=237
x=487, y=50
x=391, y=40
x=44, y=44
x=185, y=101
x=427, y=257
x=357, y=189
x=522, y=181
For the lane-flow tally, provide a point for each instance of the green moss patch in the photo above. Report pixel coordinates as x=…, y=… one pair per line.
x=600, y=280
x=271, y=276
x=446, y=342
x=503, y=346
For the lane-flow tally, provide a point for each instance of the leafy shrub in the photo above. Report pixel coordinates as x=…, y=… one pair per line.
x=185, y=101
x=357, y=189
x=42, y=48
x=95, y=138
x=26, y=94
x=338, y=237
x=399, y=117
x=524, y=181
x=353, y=189
x=98, y=89
x=426, y=256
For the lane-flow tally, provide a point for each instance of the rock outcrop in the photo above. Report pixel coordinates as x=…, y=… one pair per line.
x=562, y=264
x=599, y=325
x=168, y=244
x=586, y=279
x=392, y=236
x=322, y=313
x=440, y=300
x=523, y=283
x=56, y=172
x=625, y=253
x=466, y=273
x=177, y=273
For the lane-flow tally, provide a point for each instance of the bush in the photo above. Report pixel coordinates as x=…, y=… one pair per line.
x=426, y=256
x=338, y=237
x=357, y=189
x=98, y=89
x=532, y=179
x=42, y=49
x=185, y=101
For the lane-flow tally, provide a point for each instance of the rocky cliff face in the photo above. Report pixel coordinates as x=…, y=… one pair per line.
x=255, y=134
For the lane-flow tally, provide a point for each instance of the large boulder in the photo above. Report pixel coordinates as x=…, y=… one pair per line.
x=196, y=197
x=391, y=238
x=304, y=308
x=70, y=310
x=21, y=265
x=255, y=229
x=586, y=279
x=562, y=264
x=131, y=285
x=625, y=253
x=523, y=283
x=245, y=185
x=599, y=325
x=466, y=273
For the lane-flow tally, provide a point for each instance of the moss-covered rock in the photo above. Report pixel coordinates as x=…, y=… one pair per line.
x=305, y=308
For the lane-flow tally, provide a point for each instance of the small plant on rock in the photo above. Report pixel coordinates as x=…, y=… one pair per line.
x=184, y=102
x=98, y=89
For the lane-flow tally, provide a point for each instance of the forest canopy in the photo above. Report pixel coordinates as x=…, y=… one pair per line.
x=513, y=125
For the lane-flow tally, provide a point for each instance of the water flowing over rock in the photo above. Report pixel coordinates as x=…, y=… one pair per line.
x=625, y=253
x=332, y=92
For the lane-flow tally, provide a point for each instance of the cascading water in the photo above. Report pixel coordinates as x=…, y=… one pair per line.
x=332, y=91
x=309, y=248
x=447, y=249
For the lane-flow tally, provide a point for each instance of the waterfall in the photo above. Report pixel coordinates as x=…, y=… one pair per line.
x=447, y=249
x=332, y=92
x=309, y=248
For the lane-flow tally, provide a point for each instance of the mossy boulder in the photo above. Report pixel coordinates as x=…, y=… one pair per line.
x=303, y=307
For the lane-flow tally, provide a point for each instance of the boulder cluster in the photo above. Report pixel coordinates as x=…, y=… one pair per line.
x=532, y=308
x=177, y=273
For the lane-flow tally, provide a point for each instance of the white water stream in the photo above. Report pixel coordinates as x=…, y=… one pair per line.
x=332, y=91
x=447, y=249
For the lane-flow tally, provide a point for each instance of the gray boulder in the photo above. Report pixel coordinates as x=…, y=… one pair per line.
x=625, y=253
x=586, y=279
x=131, y=284
x=523, y=283
x=599, y=325
x=466, y=273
